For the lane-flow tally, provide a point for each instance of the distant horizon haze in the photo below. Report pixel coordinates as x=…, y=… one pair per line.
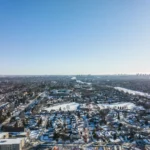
x=134, y=74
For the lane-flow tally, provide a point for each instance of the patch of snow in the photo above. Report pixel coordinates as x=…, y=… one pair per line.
x=78, y=81
x=115, y=141
x=34, y=134
x=126, y=105
x=65, y=107
x=73, y=78
x=132, y=92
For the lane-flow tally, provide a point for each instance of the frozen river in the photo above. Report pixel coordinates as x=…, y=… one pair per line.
x=133, y=92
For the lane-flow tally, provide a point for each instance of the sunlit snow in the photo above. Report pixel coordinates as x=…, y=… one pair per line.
x=65, y=107
x=133, y=92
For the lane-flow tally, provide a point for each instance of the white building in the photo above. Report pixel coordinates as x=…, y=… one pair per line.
x=11, y=144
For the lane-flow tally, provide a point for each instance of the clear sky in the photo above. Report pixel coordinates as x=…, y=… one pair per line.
x=74, y=37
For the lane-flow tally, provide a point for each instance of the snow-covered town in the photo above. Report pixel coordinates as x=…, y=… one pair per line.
x=74, y=74
x=73, y=114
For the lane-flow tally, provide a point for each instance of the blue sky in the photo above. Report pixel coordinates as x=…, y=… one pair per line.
x=74, y=37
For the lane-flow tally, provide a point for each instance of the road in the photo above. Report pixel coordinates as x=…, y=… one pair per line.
x=8, y=119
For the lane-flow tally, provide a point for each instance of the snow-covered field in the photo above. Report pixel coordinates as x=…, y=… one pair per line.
x=73, y=106
x=73, y=78
x=65, y=107
x=132, y=92
x=116, y=105
x=78, y=81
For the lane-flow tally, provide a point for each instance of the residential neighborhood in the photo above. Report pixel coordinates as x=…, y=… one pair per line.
x=66, y=113
x=74, y=74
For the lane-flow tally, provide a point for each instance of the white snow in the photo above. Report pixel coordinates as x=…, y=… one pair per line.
x=34, y=134
x=132, y=92
x=89, y=106
x=126, y=105
x=65, y=107
x=73, y=78
x=115, y=141
x=78, y=81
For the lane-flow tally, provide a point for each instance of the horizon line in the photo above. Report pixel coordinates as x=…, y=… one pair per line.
x=75, y=74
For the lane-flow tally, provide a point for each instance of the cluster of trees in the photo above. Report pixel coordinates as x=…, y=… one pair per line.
x=4, y=117
x=39, y=122
x=49, y=124
x=103, y=113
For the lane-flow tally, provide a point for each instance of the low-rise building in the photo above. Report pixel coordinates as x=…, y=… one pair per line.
x=12, y=144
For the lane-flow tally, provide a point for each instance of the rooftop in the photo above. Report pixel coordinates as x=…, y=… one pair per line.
x=10, y=141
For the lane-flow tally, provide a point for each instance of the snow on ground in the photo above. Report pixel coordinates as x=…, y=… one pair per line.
x=133, y=92
x=78, y=81
x=34, y=134
x=73, y=78
x=116, y=105
x=65, y=107
x=115, y=141
x=73, y=106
